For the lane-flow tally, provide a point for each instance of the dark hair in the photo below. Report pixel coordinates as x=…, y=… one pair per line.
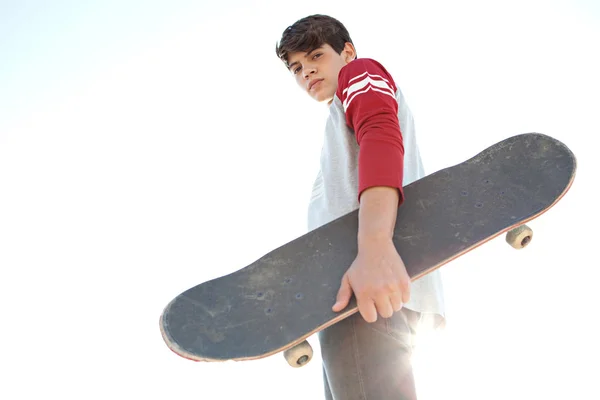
x=311, y=32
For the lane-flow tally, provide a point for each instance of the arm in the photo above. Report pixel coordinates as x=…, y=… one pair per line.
x=377, y=214
x=377, y=276
x=368, y=91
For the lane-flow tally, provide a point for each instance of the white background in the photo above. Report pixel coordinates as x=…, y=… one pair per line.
x=148, y=146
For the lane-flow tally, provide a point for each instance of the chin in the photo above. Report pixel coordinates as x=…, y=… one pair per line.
x=323, y=98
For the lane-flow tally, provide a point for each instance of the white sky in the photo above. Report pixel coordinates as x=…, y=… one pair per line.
x=148, y=146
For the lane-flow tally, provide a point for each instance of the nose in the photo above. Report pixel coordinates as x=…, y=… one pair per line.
x=308, y=71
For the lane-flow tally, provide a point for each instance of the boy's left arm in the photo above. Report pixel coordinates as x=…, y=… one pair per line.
x=377, y=277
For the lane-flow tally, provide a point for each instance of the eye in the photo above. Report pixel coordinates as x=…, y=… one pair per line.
x=317, y=56
x=297, y=70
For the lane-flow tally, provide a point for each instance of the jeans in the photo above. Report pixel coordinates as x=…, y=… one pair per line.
x=369, y=361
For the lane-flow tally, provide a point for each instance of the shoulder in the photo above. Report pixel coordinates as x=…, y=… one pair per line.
x=364, y=76
x=363, y=70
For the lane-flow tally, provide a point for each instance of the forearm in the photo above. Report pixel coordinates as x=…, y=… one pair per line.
x=377, y=214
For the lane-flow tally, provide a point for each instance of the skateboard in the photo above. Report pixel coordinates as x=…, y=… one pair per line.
x=274, y=304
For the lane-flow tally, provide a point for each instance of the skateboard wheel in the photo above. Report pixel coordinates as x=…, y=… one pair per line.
x=299, y=355
x=519, y=237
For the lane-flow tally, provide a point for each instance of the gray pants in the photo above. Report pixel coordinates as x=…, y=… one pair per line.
x=369, y=361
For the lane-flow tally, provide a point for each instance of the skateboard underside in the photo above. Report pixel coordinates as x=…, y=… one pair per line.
x=286, y=295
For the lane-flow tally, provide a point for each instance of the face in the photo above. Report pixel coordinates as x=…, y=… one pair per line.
x=317, y=72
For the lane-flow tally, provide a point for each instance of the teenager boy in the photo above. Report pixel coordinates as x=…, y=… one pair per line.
x=369, y=153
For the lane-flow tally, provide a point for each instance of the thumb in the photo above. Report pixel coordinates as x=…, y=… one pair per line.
x=343, y=295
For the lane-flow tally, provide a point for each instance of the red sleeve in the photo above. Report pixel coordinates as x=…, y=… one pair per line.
x=367, y=92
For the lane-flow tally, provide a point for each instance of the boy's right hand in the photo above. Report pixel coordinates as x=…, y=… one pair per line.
x=378, y=279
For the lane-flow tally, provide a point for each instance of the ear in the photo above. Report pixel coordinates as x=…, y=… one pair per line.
x=349, y=52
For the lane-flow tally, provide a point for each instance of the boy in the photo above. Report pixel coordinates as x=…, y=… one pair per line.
x=369, y=153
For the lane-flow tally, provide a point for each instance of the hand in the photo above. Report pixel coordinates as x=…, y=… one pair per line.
x=378, y=279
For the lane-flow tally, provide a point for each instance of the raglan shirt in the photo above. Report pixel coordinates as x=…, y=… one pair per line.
x=370, y=141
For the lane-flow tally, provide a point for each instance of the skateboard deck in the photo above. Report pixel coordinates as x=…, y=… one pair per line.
x=276, y=302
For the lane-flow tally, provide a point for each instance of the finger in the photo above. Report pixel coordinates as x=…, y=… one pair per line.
x=396, y=300
x=384, y=306
x=405, y=287
x=344, y=294
x=404, y=282
x=366, y=307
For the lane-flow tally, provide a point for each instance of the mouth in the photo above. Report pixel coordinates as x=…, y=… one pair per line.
x=313, y=83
